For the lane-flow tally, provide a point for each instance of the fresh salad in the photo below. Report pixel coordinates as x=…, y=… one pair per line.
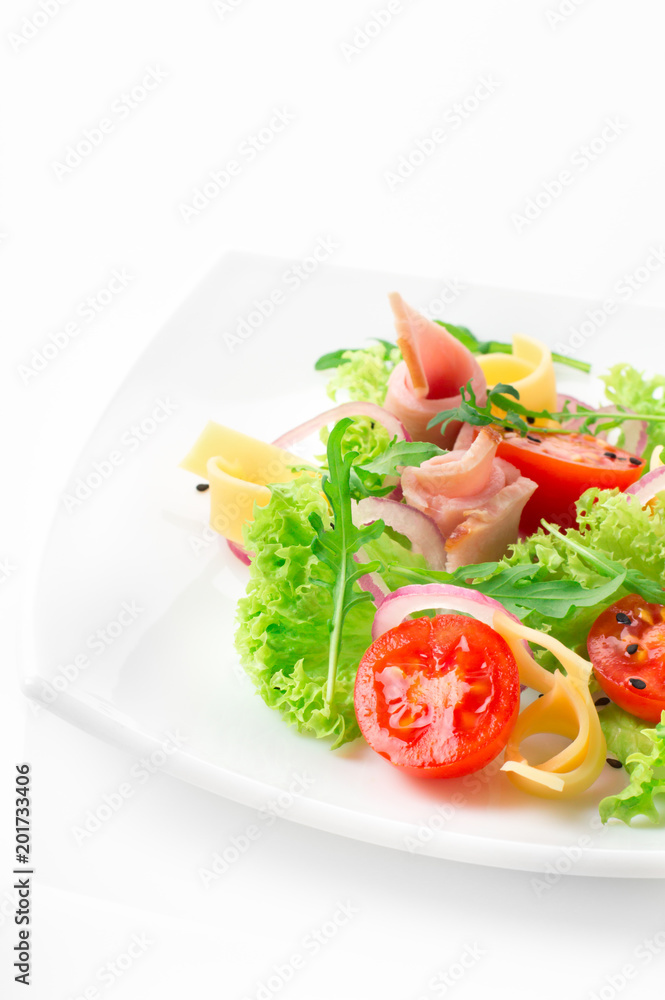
x=456, y=557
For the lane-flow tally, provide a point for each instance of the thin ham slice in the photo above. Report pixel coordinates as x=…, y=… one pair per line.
x=475, y=499
x=488, y=530
x=435, y=366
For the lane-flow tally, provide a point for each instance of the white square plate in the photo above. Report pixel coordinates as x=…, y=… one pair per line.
x=130, y=627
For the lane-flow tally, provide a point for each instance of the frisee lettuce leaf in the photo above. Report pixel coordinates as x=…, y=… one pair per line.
x=642, y=752
x=363, y=375
x=283, y=633
x=625, y=386
x=344, y=355
x=609, y=523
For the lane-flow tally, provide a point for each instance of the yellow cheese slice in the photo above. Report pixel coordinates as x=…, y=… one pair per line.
x=566, y=709
x=529, y=368
x=239, y=469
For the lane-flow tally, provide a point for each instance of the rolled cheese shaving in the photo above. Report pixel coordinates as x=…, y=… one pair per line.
x=566, y=709
x=239, y=469
x=529, y=368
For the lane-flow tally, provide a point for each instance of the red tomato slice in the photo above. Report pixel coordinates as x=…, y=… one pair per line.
x=438, y=697
x=564, y=466
x=627, y=649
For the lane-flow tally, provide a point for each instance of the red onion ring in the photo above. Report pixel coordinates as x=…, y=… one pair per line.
x=371, y=582
x=352, y=409
x=420, y=529
x=649, y=486
x=239, y=552
x=634, y=431
x=420, y=597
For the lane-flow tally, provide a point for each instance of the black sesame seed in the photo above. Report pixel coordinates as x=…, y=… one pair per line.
x=623, y=618
x=635, y=461
x=530, y=420
x=610, y=454
x=632, y=648
x=621, y=458
x=638, y=683
x=602, y=701
x=613, y=763
x=532, y=437
x=202, y=487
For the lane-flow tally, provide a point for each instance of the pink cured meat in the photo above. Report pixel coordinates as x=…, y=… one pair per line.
x=475, y=499
x=435, y=366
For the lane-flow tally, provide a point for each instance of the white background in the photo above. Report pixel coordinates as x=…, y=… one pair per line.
x=556, y=84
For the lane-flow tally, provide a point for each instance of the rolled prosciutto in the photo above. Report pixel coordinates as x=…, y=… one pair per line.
x=428, y=380
x=475, y=499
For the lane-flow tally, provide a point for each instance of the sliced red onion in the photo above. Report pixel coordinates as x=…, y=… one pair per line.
x=421, y=597
x=371, y=582
x=648, y=486
x=353, y=409
x=571, y=423
x=635, y=436
x=420, y=529
x=634, y=431
x=239, y=552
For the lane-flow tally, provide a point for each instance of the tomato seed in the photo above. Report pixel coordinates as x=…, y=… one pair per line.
x=638, y=683
x=632, y=648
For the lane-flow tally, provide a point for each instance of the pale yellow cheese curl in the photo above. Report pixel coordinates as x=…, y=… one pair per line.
x=529, y=368
x=239, y=469
x=566, y=708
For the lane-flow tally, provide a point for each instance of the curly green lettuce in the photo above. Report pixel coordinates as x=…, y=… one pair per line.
x=608, y=523
x=364, y=377
x=364, y=374
x=625, y=386
x=283, y=633
x=642, y=753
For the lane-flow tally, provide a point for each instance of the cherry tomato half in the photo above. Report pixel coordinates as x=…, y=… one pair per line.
x=627, y=649
x=438, y=697
x=564, y=466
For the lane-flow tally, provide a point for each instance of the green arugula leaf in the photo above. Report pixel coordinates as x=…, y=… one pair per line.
x=331, y=360
x=638, y=582
x=464, y=335
x=336, y=546
x=520, y=588
x=469, y=411
x=336, y=358
x=517, y=417
x=399, y=454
